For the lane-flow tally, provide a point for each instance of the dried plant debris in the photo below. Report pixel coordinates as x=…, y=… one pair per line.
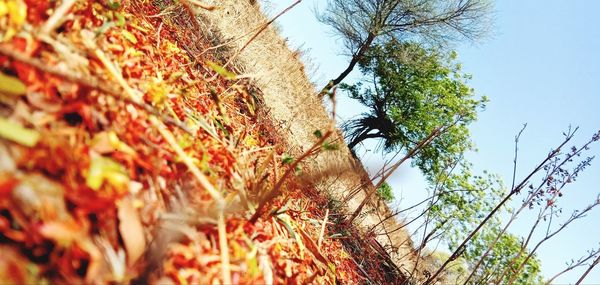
x=124, y=160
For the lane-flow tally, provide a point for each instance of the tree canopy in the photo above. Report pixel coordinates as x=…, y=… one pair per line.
x=364, y=23
x=412, y=91
x=462, y=201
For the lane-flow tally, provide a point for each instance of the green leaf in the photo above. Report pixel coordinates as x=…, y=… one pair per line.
x=221, y=127
x=102, y=29
x=298, y=170
x=221, y=70
x=385, y=192
x=330, y=146
x=287, y=159
x=284, y=221
x=113, y=4
x=17, y=133
x=11, y=85
x=318, y=134
x=120, y=19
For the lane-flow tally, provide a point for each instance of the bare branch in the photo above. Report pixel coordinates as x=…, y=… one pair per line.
x=362, y=23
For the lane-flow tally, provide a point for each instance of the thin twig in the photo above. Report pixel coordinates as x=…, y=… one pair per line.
x=587, y=271
x=323, y=228
x=514, y=176
x=225, y=267
x=158, y=37
x=574, y=264
x=260, y=31
x=58, y=17
x=276, y=189
x=531, y=197
x=508, y=197
x=574, y=216
x=428, y=218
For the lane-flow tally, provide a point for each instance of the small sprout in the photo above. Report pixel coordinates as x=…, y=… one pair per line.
x=287, y=159
x=298, y=170
x=113, y=4
x=330, y=146
x=285, y=221
x=318, y=134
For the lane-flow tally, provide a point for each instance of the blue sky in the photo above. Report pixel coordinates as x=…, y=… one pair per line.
x=541, y=66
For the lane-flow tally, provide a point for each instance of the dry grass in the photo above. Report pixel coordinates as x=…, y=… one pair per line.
x=298, y=112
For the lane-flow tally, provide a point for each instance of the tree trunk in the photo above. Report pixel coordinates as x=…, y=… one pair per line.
x=365, y=135
x=355, y=59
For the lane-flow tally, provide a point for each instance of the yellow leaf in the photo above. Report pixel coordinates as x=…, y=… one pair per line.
x=17, y=11
x=129, y=36
x=139, y=28
x=171, y=47
x=252, y=266
x=3, y=9
x=14, y=132
x=105, y=169
x=101, y=143
x=250, y=141
x=221, y=70
x=158, y=91
x=133, y=52
x=118, y=144
x=11, y=85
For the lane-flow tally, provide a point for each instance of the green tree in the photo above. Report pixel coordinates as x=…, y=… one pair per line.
x=500, y=258
x=463, y=200
x=413, y=91
x=364, y=23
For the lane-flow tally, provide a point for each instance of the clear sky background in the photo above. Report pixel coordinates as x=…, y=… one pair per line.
x=541, y=66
